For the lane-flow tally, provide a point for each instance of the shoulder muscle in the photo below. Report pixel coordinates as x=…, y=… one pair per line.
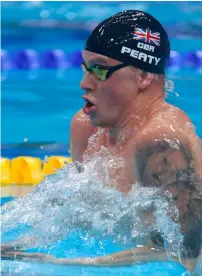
x=81, y=130
x=163, y=161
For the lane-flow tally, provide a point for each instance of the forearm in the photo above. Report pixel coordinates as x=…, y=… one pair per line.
x=122, y=258
x=116, y=259
x=126, y=257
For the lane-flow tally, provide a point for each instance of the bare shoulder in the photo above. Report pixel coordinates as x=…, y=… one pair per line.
x=167, y=149
x=169, y=122
x=80, y=131
x=82, y=121
x=169, y=156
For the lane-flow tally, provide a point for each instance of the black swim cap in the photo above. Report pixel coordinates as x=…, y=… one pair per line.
x=132, y=37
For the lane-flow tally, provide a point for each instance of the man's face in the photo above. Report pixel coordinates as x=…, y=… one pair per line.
x=107, y=99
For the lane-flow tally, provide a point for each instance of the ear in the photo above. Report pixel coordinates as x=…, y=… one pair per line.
x=145, y=79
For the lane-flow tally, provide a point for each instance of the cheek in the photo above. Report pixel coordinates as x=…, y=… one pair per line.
x=123, y=83
x=108, y=96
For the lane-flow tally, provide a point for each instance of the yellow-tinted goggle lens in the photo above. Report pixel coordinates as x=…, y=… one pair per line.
x=99, y=73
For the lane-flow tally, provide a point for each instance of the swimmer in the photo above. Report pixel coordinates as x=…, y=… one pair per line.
x=124, y=61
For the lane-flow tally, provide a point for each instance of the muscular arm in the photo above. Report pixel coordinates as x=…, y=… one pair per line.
x=126, y=257
x=162, y=162
x=168, y=163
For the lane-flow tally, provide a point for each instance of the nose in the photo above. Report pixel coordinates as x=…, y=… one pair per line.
x=88, y=82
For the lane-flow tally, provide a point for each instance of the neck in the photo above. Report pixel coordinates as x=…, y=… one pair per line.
x=136, y=114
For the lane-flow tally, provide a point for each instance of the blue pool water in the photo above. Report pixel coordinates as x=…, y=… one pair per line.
x=41, y=109
x=34, y=110
x=80, y=244
x=38, y=105
x=62, y=237
x=151, y=269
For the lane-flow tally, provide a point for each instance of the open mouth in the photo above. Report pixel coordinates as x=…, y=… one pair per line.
x=89, y=103
x=89, y=107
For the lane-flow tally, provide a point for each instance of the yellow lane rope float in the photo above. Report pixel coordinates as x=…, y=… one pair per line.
x=21, y=174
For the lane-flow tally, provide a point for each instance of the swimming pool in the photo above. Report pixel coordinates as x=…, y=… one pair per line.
x=97, y=229
x=60, y=122
x=37, y=108
x=151, y=269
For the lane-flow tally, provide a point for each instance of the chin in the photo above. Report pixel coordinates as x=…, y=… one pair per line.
x=98, y=120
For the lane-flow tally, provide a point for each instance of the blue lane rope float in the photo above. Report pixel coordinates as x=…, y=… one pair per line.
x=57, y=58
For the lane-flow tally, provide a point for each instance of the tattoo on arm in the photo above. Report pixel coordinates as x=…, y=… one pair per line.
x=162, y=163
x=168, y=164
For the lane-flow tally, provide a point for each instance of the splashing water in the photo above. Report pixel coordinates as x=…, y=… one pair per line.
x=69, y=201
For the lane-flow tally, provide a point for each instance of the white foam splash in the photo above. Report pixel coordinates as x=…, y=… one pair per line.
x=69, y=201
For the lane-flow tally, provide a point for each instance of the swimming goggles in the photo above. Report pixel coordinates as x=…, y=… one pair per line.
x=101, y=72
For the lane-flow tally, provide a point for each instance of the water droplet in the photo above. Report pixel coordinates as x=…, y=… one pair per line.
x=46, y=158
x=169, y=86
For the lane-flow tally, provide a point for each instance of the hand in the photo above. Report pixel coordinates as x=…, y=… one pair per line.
x=9, y=247
x=20, y=244
x=20, y=255
x=40, y=257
